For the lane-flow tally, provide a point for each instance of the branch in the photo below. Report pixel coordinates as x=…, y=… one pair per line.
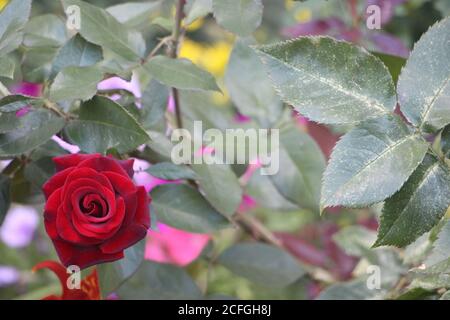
x=173, y=53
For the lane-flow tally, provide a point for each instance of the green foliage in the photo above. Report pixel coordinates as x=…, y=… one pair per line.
x=262, y=264
x=425, y=102
x=181, y=74
x=316, y=75
x=104, y=124
x=239, y=16
x=185, y=208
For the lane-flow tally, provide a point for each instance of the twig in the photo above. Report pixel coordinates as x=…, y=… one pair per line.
x=161, y=43
x=53, y=107
x=173, y=54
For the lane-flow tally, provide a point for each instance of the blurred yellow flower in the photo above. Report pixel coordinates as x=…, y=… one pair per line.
x=195, y=25
x=303, y=15
x=288, y=4
x=3, y=3
x=213, y=58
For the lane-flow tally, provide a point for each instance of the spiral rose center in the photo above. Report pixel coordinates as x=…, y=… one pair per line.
x=94, y=205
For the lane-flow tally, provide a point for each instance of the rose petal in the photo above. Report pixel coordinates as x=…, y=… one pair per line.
x=124, y=239
x=72, y=160
x=123, y=185
x=104, y=230
x=127, y=165
x=67, y=231
x=104, y=164
x=55, y=182
x=83, y=256
x=52, y=205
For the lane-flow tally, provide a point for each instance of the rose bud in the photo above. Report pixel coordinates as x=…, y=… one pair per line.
x=94, y=211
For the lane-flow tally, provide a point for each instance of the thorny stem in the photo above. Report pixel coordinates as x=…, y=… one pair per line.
x=173, y=52
x=53, y=107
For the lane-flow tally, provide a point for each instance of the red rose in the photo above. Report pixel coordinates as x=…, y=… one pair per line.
x=94, y=211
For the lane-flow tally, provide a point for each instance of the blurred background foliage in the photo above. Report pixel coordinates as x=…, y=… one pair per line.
x=334, y=246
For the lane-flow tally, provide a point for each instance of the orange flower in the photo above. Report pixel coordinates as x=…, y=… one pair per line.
x=89, y=287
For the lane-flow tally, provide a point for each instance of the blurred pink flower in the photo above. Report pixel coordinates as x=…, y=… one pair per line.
x=167, y=244
x=28, y=89
x=247, y=204
x=19, y=226
x=65, y=145
x=116, y=83
x=170, y=245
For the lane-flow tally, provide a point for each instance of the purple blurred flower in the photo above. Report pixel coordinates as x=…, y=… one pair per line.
x=8, y=276
x=335, y=27
x=389, y=44
x=19, y=226
x=315, y=28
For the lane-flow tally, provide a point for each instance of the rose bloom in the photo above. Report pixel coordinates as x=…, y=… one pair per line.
x=94, y=211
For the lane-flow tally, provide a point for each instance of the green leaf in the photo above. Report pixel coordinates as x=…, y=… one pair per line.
x=15, y=102
x=7, y=66
x=241, y=17
x=355, y=240
x=33, y=129
x=424, y=84
x=112, y=275
x=250, y=89
x=181, y=74
x=39, y=171
x=261, y=263
x=301, y=166
x=263, y=190
x=197, y=9
x=46, y=30
x=155, y=281
x=133, y=14
x=100, y=27
x=37, y=63
x=77, y=52
x=443, y=6
x=418, y=206
x=393, y=63
x=213, y=179
x=371, y=163
x=75, y=83
x=440, y=250
x=41, y=167
x=104, y=124
x=316, y=75
x=352, y=290
x=431, y=278
x=183, y=207
x=170, y=171
x=5, y=198
x=12, y=21
x=154, y=104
